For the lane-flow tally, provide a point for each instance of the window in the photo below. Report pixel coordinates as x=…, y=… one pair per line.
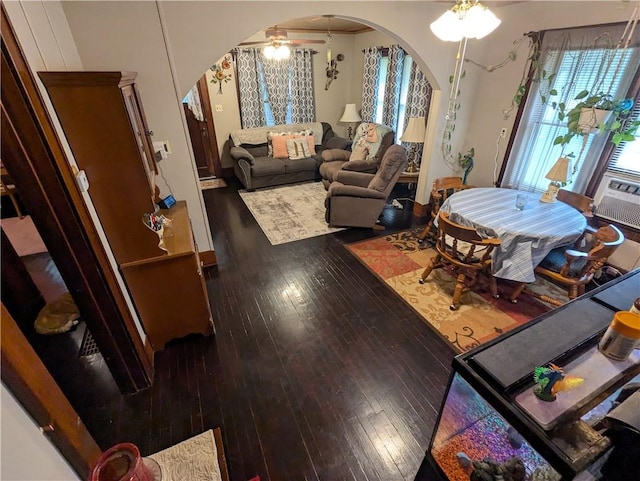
x=577, y=69
x=625, y=157
x=268, y=112
x=404, y=91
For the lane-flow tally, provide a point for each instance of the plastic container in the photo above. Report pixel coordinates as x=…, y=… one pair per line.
x=622, y=336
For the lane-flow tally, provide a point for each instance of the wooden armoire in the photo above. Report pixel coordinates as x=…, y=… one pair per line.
x=104, y=123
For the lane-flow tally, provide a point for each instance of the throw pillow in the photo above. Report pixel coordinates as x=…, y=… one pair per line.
x=359, y=153
x=279, y=143
x=298, y=148
x=270, y=136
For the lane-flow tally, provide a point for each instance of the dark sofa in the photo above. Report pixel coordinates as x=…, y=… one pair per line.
x=255, y=169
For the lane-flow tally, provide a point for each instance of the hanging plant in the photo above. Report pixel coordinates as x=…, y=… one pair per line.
x=597, y=113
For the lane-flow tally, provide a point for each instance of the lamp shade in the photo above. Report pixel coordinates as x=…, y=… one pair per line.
x=415, y=130
x=350, y=114
x=560, y=170
x=466, y=19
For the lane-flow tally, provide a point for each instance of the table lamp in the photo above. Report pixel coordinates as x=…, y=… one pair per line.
x=414, y=134
x=558, y=174
x=350, y=116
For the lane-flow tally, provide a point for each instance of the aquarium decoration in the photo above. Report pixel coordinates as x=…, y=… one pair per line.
x=551, y=380
x=491, y=470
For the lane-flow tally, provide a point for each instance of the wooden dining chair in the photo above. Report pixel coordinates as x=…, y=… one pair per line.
x=573, y=269
x=442, y=188
x=578, y=201
x=466, y=252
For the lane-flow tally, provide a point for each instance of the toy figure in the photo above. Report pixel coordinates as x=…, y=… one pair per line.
x=551, y=380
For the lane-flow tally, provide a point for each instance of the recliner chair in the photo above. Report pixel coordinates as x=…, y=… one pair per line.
x=335, y=160
x=356, y=199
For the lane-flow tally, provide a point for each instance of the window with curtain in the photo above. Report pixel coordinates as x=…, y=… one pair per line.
x=394, y=89
x=582, y=59
x=275, y=92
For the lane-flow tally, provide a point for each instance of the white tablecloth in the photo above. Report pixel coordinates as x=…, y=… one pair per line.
x=527, y=236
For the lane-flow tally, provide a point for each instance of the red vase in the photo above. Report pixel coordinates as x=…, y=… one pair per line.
x=121, y=462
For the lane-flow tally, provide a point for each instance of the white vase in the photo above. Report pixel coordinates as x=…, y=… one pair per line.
x=591, y=118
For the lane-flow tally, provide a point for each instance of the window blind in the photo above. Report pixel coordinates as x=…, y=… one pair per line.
x=625, y=158
x=581, y=60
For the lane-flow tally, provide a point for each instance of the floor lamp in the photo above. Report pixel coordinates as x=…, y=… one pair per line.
x=414, y=134
x=350, y=116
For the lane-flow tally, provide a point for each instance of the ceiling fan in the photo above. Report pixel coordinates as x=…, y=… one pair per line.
x=278, y=36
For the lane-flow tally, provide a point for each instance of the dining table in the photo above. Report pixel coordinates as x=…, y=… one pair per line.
x=526, y=235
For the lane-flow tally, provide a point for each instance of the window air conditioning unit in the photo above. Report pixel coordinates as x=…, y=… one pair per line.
x=618, y=200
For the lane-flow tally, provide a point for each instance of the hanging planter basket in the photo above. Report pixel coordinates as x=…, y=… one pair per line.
x=591, y=118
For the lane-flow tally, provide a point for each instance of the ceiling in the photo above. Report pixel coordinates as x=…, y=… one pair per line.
x=320, y=24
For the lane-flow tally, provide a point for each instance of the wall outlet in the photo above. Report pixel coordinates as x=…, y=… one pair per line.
x=218, y=108
x=503, y=132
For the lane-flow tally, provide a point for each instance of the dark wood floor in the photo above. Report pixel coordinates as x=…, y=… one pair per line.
x=317, y=370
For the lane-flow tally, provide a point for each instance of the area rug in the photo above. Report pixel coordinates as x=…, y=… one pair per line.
x=212, y=184
x=290, y=213
x=399, y=260
x=200, y=458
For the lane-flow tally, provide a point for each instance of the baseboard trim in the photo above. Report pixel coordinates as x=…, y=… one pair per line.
x=208, y=258
x=420, y=210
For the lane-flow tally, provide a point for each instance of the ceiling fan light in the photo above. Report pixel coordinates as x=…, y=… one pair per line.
x=282, y=52
x=480, y=22
x=447, y=27
x=463, y=20
x=269, y=51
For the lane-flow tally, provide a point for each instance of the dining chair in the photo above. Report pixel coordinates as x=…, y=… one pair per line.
x=466, y=252
x=578, y=201
x=573, y=269
x=442, y=188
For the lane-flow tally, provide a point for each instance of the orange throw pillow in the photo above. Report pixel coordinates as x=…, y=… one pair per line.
x=280, y=146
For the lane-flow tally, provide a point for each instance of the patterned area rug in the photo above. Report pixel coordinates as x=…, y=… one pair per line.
x=196, y=459
x=399, y=260
x=212, y=184
x=289, y=213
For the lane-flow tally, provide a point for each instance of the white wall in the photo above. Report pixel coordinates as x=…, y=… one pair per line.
x=128, y=35
x=47, y=43
x=27, y=454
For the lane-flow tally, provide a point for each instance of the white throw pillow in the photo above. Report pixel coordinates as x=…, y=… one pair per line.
x=298, y=148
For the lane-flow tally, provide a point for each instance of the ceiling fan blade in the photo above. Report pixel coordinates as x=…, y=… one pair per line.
x=242, y=44
x=303, y=41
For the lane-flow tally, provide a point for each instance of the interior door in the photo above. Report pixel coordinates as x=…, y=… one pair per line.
x=30, y=382
x=203, y=135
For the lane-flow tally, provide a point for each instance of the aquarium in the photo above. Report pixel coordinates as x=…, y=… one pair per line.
x=470, y=430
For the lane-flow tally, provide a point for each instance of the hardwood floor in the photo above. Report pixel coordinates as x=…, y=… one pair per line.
x=317, y=370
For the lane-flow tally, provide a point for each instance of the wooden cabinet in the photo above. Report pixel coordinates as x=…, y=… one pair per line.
x=104, y=123
x=169, y=289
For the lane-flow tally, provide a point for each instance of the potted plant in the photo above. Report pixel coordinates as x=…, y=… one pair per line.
x=465, y=161
x=598, y=112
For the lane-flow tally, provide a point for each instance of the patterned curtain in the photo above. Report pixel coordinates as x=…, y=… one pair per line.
x=303, y=107
x=372, y=58
x=418, y=99
x=251, y=103
x=391, y=103
x=276, y=79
